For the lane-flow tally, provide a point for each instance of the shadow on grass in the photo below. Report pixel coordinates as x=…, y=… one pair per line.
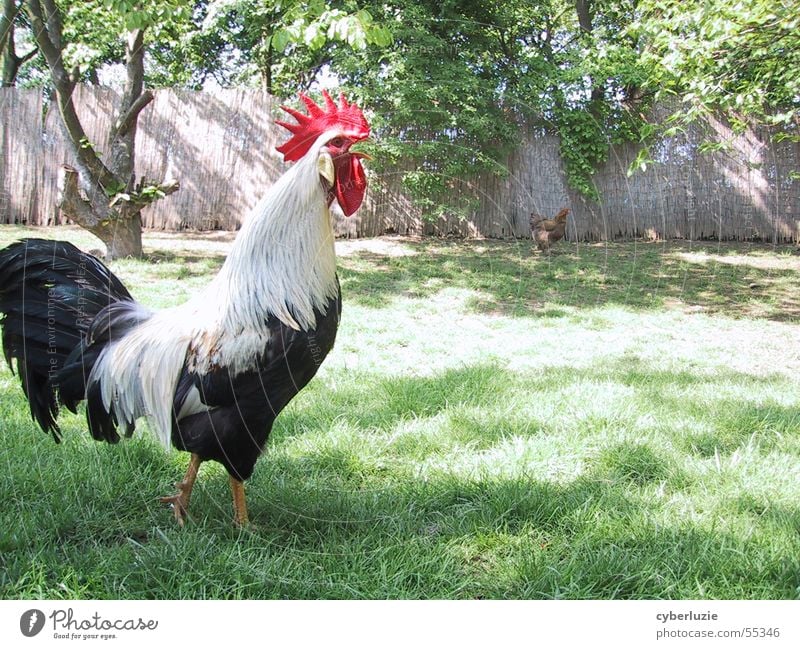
x=336, y=519
x=439, y=538
x=183, y=256
x=512, y=279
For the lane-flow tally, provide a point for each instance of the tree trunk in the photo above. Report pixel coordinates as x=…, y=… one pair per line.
x=90, y=209
x=117, y=223
x=122, y=236
x=585, y=10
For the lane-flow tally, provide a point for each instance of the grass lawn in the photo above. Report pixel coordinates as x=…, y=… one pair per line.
x=614, y=421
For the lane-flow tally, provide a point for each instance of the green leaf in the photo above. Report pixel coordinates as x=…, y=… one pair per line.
x=280, y=39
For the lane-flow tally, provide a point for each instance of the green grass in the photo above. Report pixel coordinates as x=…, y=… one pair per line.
x=613, y=421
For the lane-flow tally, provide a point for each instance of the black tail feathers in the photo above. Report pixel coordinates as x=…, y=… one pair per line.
x=111, y=323
x=50, y=294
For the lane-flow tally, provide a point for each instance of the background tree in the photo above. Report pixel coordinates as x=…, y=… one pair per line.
x=103, y=196
x=463, y=79
x=183, y=44
x=453, y=83
x=283, y=46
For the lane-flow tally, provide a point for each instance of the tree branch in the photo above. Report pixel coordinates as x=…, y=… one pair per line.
x=53, y=21
x=585, y=11
x=132, y=114
x=41, y=34
x=142, y=196
x=122, y=160
x=10, y=11
x=134, y=67
x=169, y=187
x=11, y=63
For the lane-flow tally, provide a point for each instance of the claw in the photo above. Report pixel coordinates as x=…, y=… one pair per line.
x=180, y=501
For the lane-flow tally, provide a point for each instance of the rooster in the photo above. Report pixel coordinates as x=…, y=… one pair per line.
x=547, y=231
x=212, y=374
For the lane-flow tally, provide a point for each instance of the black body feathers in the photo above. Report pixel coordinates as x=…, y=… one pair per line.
x=238, y=411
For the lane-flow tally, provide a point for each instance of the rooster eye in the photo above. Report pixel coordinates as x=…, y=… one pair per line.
x=336, y=142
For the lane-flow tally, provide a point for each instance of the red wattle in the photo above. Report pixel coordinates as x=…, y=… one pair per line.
x=351, y=183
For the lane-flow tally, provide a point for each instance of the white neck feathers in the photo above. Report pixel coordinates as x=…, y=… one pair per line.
x=283, y=261
x=282, y=264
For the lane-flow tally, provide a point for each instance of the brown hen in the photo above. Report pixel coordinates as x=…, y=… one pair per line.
x=547, y=231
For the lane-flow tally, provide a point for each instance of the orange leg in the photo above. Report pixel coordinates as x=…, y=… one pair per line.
x=239, y=504
x=180, y=500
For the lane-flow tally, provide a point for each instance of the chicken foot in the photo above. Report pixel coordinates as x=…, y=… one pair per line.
x=180, y=501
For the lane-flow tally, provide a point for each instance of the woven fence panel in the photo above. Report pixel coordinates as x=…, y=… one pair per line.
x=221, y=147
x=21, y=155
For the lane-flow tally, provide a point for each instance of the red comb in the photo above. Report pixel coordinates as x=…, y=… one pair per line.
x=309, y=127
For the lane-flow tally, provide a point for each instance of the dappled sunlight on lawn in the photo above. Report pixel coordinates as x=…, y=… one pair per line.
x=761, y=261
x=388, y=246
x=511, y=278
x=611, y=420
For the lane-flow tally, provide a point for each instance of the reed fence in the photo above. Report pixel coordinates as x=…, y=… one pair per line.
x=221, y=146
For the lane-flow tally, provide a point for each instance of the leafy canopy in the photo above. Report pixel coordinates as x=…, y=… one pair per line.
x=738, y=58
x=453, y=83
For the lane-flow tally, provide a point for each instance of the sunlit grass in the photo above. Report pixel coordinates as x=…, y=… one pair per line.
x=613, y=421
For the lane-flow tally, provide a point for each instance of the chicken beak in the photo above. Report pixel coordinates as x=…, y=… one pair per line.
x=356, y=152
x=325, y=168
